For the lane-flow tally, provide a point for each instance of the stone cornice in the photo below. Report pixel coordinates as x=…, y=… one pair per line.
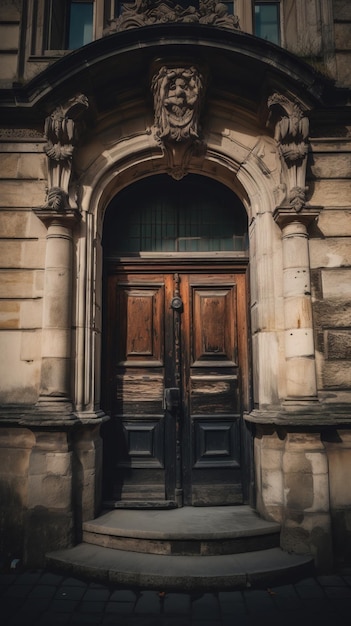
x=316, y=415
x=92, y=64
x=284, y=215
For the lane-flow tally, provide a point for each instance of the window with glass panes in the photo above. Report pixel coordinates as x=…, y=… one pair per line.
x=267, y=21
x=159, y=214
x=69, y=24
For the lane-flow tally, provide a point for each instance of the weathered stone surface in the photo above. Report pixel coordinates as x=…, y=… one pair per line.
x=51, y=491
x=21, y=165
x=343, y=66
x=332, y=313
x=25, y=314
x=338, y=344
x=335, y=223
x=336, y=283
x=331, y=165
x=331, y=192
x=9, y=34
x=31, y=313
x=8, y=67
x=337, y=374
x=342, y=36
x=23, y=254
x=9, y=314
x=341, y=520
x=10, y=10
x=19, y=379
x=59, y=463
x=298, y=312
x=26, y=194
x=342, y=9
x=30, y=346
x=22, y=223
x=46, y=530
x=339, y=458
x=21, y=283
x=330, y=252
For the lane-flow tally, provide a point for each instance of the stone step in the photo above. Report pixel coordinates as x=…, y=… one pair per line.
x=184, y=573
x=205, y=531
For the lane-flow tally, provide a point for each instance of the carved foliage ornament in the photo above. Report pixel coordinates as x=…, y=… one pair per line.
x=177, y=101
x=291, y=134
x=150, y=12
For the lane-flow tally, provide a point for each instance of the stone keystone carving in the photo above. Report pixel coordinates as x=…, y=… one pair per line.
x=62, y=130
x=291, y=135
x=177, y=95
x=150, y=12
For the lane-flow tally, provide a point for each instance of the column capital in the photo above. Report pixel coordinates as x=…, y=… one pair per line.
x=284, y=215
x=68, y=218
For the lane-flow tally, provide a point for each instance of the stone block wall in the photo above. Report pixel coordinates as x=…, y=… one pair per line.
x=342, y=30
x=22, y=259
x=298, y=486
x=10, y=18
x=330, y=261
x=15, y=451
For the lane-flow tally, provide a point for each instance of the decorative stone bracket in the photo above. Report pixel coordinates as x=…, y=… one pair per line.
x=178, y=96
x=291, y=134
x=62, y=131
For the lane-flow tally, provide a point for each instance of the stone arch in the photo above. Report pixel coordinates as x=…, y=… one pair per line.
x=250, y=178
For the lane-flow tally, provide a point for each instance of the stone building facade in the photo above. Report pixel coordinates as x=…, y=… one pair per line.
x=171, y=100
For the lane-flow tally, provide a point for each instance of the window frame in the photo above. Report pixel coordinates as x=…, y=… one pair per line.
x=279, y=5
x=37, y=34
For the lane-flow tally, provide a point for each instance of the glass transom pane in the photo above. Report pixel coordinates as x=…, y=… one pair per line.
x=159, y=214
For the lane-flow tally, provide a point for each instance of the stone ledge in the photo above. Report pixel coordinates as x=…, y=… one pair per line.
x=32, y=417
x=302, y=415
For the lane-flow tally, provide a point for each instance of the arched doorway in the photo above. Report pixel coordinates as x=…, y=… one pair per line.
x=175, y=349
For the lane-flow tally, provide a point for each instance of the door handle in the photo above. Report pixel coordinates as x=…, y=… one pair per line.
x=172, y=398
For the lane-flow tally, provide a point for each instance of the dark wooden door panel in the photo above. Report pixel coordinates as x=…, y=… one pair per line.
x=140, y=319
x=197, y=348
x=213, y=325
x=137, y=322
x=213, y=403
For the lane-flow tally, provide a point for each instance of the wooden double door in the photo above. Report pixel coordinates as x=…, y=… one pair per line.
x=175, y=362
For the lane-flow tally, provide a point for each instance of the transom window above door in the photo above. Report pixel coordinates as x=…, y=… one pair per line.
x=161, y=215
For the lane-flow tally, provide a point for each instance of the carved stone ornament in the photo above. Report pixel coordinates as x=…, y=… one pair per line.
x=62, y=131
x=291, y=134
x=178, y=96
x=178, y=93
x=150, y=12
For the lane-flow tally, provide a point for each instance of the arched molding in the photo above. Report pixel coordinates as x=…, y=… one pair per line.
x=239, y=167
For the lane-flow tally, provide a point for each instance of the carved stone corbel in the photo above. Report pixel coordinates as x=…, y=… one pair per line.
x=178, y=96
x=291, y=134
x=62, y=131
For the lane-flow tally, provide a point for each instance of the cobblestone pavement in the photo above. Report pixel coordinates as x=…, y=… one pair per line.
x=42, y=598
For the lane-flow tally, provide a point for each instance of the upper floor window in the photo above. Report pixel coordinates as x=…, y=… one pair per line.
x=69, y=24
x=267, y=21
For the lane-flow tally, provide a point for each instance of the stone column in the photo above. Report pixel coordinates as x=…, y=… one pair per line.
x=55, y=391
x=299, y=343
